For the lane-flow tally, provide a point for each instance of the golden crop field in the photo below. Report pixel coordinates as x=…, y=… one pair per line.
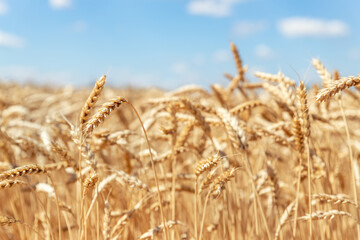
x=273, y=159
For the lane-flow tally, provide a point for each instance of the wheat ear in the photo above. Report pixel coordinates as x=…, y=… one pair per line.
x=284, y=217
x=21, y=171
x=8, y=183
x=219, y=183
x=4, y=220
x=335, y=199
x=276, y=78
x=345, y=82
x=303, y=112
x=206, y=164
x=102, y=113
x=90, y=182
x=245, y=106
x=323, y=72
x=107, y=221
x=238, y=62
x=92, y=99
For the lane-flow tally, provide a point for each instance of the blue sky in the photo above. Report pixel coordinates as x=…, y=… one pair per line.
x=169, y=43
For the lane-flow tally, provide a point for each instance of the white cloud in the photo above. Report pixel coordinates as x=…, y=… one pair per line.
x=312, y=27
x=10, y=40
x=60, y=4
x=221, y=56
x=263, y=51
x=3, y=7
x=246, y=28
x=80, y=26
x=213, y=8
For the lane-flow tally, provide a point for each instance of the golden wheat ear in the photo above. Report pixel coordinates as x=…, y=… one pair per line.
x=100, y=116
x=207, y=164
x=336, y=87
x=92, y=99
x=4, y=220
x=238, y=61
x=22, y=171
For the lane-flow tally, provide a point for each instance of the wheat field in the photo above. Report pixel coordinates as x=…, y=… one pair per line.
x=272, y=159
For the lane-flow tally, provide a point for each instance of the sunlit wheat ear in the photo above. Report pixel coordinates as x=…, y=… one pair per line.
x=8, y=183
x=92, y=99
x=334, y=199
x=208, y=180
x=207, y=164
x=323, y=72
x=345, y=82
x=7, y=220
x=303, y=109
x=284, y=217
x=184, y=134
x=197, y=114
x=234, y=131
x=219, y=183
x=238, y=61
x=100, y=116
x=245, y=106
x=107, y=221
x=269, y=133
x=21, y=171
x=299, y=136
x=90, y=182
x=62, y=153
x=276, y=78
x=274, y=182
x=329, y=215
